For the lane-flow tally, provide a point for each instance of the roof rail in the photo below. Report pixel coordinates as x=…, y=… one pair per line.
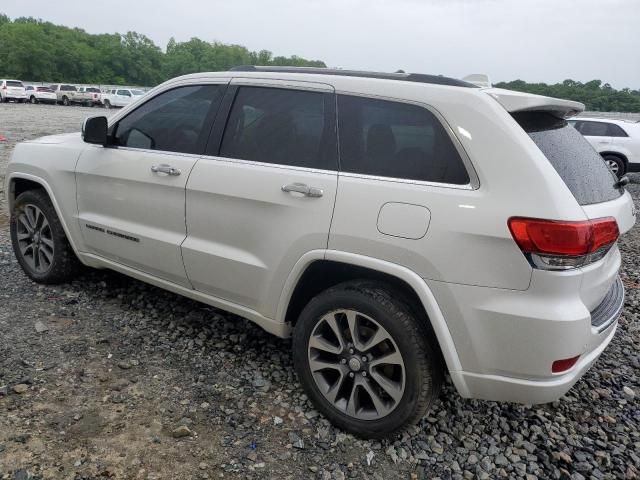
x=407, y=77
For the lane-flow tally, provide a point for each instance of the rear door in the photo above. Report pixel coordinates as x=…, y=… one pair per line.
x=597, y=133
x=264, y=194
x=131, y=195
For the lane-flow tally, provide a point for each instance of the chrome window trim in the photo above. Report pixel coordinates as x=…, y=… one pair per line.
x=240, y=161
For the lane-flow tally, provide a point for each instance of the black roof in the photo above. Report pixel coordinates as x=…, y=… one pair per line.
x=406, y=77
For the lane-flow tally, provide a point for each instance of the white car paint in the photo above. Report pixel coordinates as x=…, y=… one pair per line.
x=12, y=90
x=223, y=232
x=624, y=143
x=40, y=94
x=120, y=97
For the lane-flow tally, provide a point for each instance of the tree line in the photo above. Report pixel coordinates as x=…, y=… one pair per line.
x=36, y=50
x=596, y=96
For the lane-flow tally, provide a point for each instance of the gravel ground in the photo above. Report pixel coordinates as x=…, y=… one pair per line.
x=110, y=378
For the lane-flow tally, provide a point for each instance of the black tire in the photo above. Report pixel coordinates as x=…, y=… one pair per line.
x=65, y=265
x=65, y=101
x=107, y=104
x=616, y=164
x=33, y=99
x=415, y=342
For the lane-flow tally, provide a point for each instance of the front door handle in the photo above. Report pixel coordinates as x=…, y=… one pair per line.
x=164, y=168
x=304, y=189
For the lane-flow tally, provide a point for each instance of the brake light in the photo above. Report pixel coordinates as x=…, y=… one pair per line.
x=560, y=245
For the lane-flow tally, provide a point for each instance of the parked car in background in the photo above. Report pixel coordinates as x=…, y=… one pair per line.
x=120, y=97
x=96, y=94
x=37, y=94
x=12, y=90
x=68, y=94
x=618, y=141
x=379, y=219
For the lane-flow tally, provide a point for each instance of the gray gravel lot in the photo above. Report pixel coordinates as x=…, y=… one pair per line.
x=108, y=377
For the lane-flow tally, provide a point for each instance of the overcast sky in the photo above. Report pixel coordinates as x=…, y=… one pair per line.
x=534, y=40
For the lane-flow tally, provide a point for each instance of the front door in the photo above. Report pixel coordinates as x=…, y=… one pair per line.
x=265, y=196
x=131, y=195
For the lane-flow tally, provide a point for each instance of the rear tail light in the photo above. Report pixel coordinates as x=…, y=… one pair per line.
x=559, y=245
x=563, y=365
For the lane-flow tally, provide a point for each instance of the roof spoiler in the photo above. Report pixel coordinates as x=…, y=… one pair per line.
x=514, y=101
x=480, y=79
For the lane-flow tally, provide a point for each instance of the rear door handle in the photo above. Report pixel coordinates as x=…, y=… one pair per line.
x=304, y=189
x=164, y=168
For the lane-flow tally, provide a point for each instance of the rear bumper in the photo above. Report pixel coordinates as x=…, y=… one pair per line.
x=507, y=340
x=509, y=389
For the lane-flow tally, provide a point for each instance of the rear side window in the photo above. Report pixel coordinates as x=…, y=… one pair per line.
x=281, y=126
x=13, y=83
x=68, y=88
x=578, y=164
x=172, y=121
x=616, y=131
x=392, y=139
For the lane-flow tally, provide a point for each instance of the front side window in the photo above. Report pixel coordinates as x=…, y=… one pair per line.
x=286, y=127
x=124, y=93
x=172, y=121
x=392, y=139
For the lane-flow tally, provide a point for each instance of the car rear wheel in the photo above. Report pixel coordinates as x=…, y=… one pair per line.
x=615, y=164
x=107, y=104
x=365, y=360
x=39, y=241
x=65, y=101
x=33, y=99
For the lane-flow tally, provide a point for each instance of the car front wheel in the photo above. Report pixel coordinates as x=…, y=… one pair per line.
x=39, y=241
x=365, y=360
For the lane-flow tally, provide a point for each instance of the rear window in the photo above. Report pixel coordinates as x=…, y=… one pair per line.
x=92, y=90
x=578, y=164
x=13, y=83
x=45, y=89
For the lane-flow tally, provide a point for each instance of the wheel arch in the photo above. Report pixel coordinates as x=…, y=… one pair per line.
x=614, y=153
x=21, y=182
x=319, y=270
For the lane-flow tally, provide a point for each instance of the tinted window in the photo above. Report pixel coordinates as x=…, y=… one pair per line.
x=578, y=164
x=93, y=90
x=287, y=127
x=615, y=131
x=124, y=92
x=594, y=129
x=392, y=139
x=172, y=121
x=28, y=87
x=13, y=83
x=68, y=88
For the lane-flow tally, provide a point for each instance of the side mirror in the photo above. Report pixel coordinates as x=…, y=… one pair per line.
x=94, y=130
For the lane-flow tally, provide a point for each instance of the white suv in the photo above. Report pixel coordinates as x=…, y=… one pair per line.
x=12, y=90
x=381, y=219
x=618, y=141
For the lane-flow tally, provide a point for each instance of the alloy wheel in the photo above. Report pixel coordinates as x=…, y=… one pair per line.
x=356, y=364
x=613, y=166
x=35, y=238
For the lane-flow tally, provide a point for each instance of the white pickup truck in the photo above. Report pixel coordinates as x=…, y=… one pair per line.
x=120, y=97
